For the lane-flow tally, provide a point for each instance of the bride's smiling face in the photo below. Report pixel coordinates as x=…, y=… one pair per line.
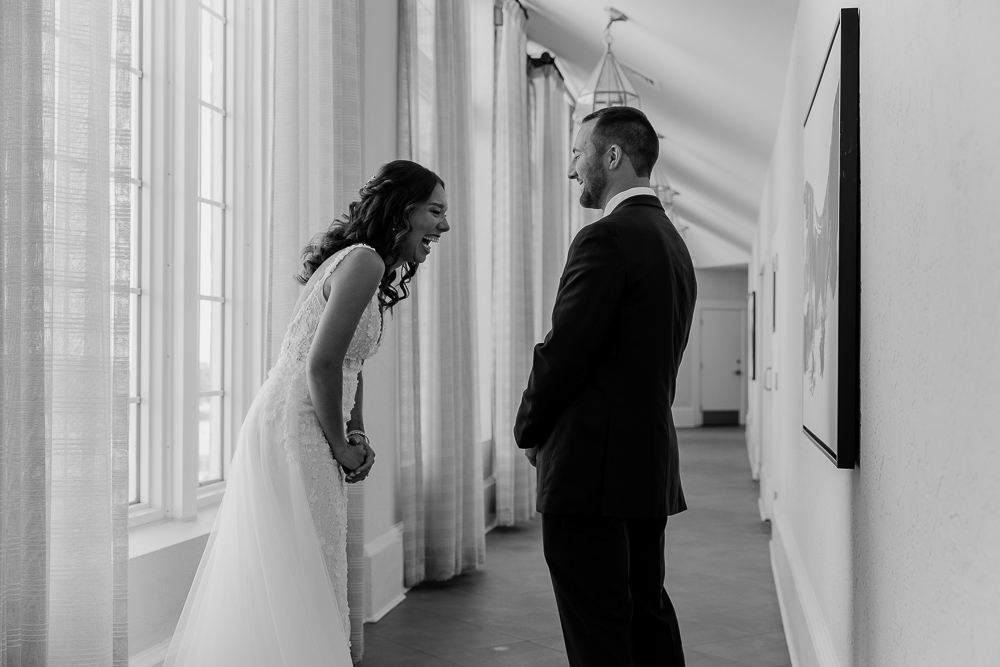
x=427, y=223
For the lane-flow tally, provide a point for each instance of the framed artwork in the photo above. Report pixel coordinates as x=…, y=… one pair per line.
x=831, y=296
x=752, y=334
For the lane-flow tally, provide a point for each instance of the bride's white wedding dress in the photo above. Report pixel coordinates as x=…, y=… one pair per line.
x=271, y=589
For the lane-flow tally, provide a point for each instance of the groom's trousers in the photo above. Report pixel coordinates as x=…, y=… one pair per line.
x=607, y=575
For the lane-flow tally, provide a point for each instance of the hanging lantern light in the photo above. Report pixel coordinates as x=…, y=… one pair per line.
x=661, y=186
x=666, y=193
x=608, y=85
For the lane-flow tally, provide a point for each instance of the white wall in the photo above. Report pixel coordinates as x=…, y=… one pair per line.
x=894, y=563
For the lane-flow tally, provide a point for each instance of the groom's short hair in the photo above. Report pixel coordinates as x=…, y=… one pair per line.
x=631, y=130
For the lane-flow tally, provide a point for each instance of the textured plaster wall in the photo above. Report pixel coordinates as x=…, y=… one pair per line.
x=894, y=563
x=926, y=505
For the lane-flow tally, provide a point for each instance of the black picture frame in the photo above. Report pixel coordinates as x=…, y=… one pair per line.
x=831, y=290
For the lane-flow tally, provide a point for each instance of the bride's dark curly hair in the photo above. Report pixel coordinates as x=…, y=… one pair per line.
x=381, y=219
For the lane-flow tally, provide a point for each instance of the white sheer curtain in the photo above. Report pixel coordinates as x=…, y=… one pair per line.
x=317, y=134
x=64, y=279
x=441, y=460
x=513, y=265
x=551, y=195
x=316, y=174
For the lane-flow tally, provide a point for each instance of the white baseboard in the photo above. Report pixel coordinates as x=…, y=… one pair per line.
x=384, y=574
x=790, y=636
x=806, y=632
x=151, y=657
x=686, y=417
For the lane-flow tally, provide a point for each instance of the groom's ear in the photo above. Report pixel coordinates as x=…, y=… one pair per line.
x=614, y=156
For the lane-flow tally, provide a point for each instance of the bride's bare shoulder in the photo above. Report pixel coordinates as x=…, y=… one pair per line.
x=361, y=267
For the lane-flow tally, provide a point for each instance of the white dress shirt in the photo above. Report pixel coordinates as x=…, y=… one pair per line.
x=622, y=196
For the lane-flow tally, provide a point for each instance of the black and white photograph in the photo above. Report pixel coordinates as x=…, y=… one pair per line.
x=499, y=333
x=830, y=276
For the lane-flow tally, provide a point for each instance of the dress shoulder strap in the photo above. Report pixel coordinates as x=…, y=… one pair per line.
x=341, y=254
x=337, y=259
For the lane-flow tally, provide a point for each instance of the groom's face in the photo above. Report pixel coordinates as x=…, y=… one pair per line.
x=585, y=167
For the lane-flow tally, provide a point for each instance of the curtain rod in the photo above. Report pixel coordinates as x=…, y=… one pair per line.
x=543, y=60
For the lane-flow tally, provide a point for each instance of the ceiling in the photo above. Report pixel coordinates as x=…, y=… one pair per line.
x=718, y=68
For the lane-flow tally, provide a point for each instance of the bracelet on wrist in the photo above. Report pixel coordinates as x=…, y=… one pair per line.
x=360, y=433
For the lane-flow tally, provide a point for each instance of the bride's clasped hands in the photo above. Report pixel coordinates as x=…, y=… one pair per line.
x=355, y=456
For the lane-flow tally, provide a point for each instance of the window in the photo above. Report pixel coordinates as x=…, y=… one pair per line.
x=181, y=407
x=212, y=403
x=138, y=487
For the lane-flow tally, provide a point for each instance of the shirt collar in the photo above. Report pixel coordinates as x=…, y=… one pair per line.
x=622, y=196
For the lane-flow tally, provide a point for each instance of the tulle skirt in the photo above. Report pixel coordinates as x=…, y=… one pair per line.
x=262, y=594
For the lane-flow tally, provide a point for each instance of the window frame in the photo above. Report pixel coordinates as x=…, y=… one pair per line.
x=211, y=492
x=149, y=506
x=169, y=289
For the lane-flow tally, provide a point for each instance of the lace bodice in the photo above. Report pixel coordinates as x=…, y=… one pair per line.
x=301, y=330
x=299, y=336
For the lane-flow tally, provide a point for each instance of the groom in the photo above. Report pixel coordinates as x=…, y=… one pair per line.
x=595, y=418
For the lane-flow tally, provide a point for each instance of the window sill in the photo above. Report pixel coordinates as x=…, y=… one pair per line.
x=146, y=539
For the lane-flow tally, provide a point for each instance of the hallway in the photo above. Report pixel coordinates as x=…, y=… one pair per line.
x=718, y=576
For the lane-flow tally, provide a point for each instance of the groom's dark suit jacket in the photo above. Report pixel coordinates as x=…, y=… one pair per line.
x=598, y=400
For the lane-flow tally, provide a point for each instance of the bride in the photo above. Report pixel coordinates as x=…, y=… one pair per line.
x=271, y=588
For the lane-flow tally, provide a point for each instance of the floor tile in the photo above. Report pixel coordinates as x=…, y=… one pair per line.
x=384, y=653
x=434, y=633
x=758, y=651
x=695, y=633
x=555, y=642
x=519, y=654
x=755, y=620
x=695, y=658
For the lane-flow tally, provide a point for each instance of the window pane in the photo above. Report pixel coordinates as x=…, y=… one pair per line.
x=135, y=445
x=134, y=328
x=210, y=346
x=209, y=439
x=212, y=154
x=211, y=250
x=136, y=125
x=136, y=34
x=134, y=248
x=133, y=453
x=213, y=60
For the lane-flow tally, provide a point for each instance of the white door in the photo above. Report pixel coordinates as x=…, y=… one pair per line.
x=721, y=366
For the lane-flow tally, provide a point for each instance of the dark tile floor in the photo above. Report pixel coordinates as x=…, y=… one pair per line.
x=718, y=576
